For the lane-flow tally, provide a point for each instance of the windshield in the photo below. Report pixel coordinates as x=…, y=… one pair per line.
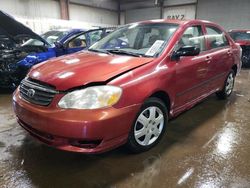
x=53, y=36
x=33, y=42
x=137, y=39
x=240, y=35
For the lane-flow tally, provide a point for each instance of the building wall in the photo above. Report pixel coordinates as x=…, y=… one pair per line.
x=105, y=4
x=93, y=15
x=180, y=12
x=44, y=15
x=135, y=15
x=228, y=13
x=178, y=2
x=122, y=17
x=146, y=10
x=231, y=14
x=31, y=8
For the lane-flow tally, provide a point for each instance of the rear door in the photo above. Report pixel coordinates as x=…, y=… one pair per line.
x=220, y=51
x=191, y=71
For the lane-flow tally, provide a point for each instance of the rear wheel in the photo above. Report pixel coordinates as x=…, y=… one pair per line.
x=149, y=126
x=228, y=86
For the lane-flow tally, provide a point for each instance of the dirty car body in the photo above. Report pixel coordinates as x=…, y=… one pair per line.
x=242, y=37
x=16, y=57
x=89, y=101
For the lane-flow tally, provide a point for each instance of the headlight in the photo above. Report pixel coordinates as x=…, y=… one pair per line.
x=91, y=98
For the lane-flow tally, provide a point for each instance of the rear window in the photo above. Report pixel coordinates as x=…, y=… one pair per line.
x=216, y=37
x=240, y=35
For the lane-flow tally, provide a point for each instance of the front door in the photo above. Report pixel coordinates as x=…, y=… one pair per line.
x=191, y=71
x=76, y=44
x=83, y=41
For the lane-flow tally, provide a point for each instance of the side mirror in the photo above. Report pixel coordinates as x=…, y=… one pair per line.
x=58, y=45
x=185, y=51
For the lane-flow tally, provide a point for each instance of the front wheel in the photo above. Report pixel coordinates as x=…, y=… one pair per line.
x=228, y=86
x=149, y=126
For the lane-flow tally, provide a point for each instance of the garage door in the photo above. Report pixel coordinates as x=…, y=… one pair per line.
x=142, y=14
x=180, y=12
x=231, y=14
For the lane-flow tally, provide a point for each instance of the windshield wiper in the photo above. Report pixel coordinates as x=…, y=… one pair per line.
x=100, y=51
x=118, y=51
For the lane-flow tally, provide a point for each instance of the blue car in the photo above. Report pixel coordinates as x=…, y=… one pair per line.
x=21, y=48
x=60, y=35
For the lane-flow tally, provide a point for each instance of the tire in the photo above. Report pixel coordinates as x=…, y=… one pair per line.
x=149, y=130
x=228, y=86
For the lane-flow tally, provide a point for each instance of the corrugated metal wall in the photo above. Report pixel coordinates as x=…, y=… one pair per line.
x=231, y=14
x=180, y=12
x=93, y=15
x=146, y=10
x=31, y=8
x=135, y=15
x=228, y=13
x=43, y=15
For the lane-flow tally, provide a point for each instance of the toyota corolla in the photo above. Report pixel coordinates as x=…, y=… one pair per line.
x=126, y=87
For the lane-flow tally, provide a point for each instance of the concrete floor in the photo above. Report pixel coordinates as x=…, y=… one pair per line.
x=208, y=146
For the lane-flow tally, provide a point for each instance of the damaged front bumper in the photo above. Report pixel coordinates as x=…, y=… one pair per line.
x=245, y=56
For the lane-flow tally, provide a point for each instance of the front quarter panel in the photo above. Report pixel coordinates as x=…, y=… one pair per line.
x=36, y=58
x=141, y=83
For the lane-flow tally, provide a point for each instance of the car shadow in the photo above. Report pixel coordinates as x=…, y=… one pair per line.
x=6, y=91
x=48, y=167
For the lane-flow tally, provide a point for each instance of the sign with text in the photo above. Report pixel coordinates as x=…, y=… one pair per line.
x=180, y=12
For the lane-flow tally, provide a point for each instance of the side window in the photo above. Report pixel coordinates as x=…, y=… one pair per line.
x=193, y=36
x=94, y=36
x=78, y=42
x=216, y=37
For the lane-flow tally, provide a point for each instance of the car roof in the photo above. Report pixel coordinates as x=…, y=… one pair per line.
x=176, y=21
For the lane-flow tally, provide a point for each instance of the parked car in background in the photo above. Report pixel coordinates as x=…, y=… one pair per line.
x=80, y=41
x=60, y=35
x=16, y=56
x=126, y=86
x=21, y=48
x=242, y=37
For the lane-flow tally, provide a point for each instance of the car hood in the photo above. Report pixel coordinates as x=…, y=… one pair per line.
x=79, y=69
x=12, y=28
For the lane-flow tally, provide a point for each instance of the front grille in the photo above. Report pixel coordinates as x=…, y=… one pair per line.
x=36, y=92
x=245, y=55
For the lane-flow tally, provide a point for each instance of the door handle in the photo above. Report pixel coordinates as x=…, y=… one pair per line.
x=208, y=59
x=229, y=52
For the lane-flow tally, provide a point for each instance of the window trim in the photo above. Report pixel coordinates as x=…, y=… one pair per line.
x=222, y=32
x=202, y=30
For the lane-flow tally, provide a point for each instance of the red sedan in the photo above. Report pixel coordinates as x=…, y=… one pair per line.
x=242, y=37
x=126, y=87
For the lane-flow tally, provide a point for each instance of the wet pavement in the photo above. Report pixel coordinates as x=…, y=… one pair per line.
x=206, y=147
